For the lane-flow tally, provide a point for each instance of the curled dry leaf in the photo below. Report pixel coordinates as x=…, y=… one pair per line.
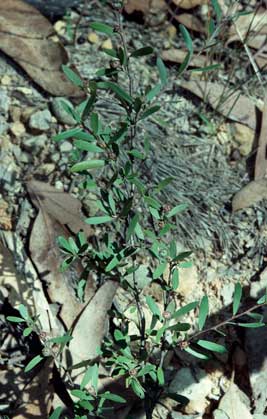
x=62, y=206
x=189, y=4
x=47, y=256
x=178, y=56
x=231, y=104
x=90, y=328
x=251, y=194
x=25, y=37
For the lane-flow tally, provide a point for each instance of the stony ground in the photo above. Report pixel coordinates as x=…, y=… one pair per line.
x=228, y=247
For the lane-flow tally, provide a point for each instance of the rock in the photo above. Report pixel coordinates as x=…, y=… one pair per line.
x=53, y=8
x=177, y=415
x=34, y=143
x=188, y=280
x=17, y=129
x=65, y=147
x=60, y=113
x=40, y=120
x=252, y=193
x=93, y=38
x=171, y=31
x=3, y=125
x=244, y=137
x=55, y=157
x=4, y=102
x=60, y=27
x=227, y=293
x=195, y=387
x=46, y=168
x=15, y=113
x=258, y=288
x=6, y=80
x=107, y=44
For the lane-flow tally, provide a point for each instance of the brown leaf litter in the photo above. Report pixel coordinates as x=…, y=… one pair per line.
x=25, y=36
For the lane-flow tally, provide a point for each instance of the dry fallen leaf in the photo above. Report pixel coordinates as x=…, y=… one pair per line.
x=90, y=328
x=232, y=405
x=178, y=56
x=261, y=161
x=144, y=6
x=189, y=4
x=252, y=193
x=47, y=256
x=24, y=36
x=5, y=218
x=60, y=205
x=191, y=22
x=231, y=104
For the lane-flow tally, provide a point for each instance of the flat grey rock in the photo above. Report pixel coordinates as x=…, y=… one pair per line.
x=53, y=8
x=41, y=120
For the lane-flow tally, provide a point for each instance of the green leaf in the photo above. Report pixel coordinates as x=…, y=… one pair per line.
x=211, y=346
x=217, y=10
x=27, y=331
x=87, y=165
x=61, y=339
x=159, y=270
x=94, y=123
x=185, y=309
x=98, y=220
x=165, y=182
x=150, y=111
x=132, y=226
x=36, y=360
x=206, y=69
x=152, y=202
x=237, y=298
x=56, y=414
x=178, y=398
x=23, y=311
x=15, y=319
x=139, y=232
x=111, y=52
x=81, y=289
x=203, y=312
x=72, y=76
x=154, y=212
x=196, y=354
x=117, y=90
x=160, y=376
x=113, y=397
x=102, y=27
x=189, y=44
x=137, y=154
x=86, y=146
x=82, y=135
x=176, y=210
x=142, y=52
x=175, y=279
x=153, y=306
x=250, y=325
x=66, y=134
x=112, y=264
x=137, y=388
x=162, y=71
x=153, y=92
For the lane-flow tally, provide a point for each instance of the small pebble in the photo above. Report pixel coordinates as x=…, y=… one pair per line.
x=17, y=129
x=65, y=147
x=107, y=44
x=60, y=27
x=6, y=80
x=40, y=120
x=93, y=38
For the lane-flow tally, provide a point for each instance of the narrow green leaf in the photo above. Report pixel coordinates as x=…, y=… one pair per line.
x=87, y=165
x=211, y=346
x=112, y=264
x=36, y=360
x=86, y=146
x=102, y=27
x=56, y=414
x=162, y=71
x=189, y=45
x=113, y=397
x=150, y=111
x=160, y=376
x=132, y=226
x=72, y=76
x=203, y=312
x=98, y=220
x=196, y=354
x=61, y=339
x=66, y=134
x=211, y=67
x=153, y=92
x=137, y=388
x=250, y=325
x=176, y=210
x=237, y=298
x=121, y=93
x=152, y=202
x=165, y=182
x=111, y=52
x=23, y=311
x=15, y=319
x=27, y=331
x=139, y=232
x=159, y=270
x=217, y=10
x=142, y=52
x=94, y=123
x=185, y=309
x=153, y=306
x=175, y=279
